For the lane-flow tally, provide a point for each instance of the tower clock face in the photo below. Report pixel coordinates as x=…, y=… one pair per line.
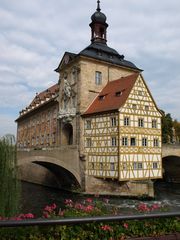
x=66, y=59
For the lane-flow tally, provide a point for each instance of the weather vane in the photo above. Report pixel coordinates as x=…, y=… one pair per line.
x=98, y=6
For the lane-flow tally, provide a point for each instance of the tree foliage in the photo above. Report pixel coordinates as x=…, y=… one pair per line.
x=9, y=184
x=176, y=126
x=167, y=128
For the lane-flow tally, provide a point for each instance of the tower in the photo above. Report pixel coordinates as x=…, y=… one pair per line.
x=98, y=26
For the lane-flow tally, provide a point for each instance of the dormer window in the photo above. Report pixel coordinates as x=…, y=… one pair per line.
x=99, y=53
x=118, y=94
x=101, y=97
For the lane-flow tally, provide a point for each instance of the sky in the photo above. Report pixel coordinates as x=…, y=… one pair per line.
x=34, y=34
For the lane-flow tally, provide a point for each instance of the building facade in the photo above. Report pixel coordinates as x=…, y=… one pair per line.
x=37, y=124
x=102, y=106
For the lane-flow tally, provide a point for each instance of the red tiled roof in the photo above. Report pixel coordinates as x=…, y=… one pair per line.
x=113, y=95
x=40, y=99
x=46, y=94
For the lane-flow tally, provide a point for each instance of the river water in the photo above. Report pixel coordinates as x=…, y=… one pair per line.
x=36, y=197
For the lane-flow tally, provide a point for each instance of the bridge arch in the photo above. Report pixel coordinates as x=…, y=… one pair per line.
x=65, y=175
x=171, y=168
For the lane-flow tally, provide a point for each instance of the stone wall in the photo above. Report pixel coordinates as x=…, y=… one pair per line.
x=109, y=187
x=171, y=150
x=66, y=157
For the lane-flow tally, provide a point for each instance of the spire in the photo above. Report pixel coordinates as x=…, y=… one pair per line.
x=98, y=6
x=98, y=26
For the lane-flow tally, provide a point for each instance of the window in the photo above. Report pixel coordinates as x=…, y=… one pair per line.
x=113, y=141
x=154, y=123
x=146, y=107
x=118, y=94
x=33, y=141
x=155, y=165
x=101, y=97
x=98, y=78
x=88, y=124
x=144, y=142
x=101, y=166
x=140, y=122
x=99, y=53
x=88, y=142
x=140, y=93
x=134, y=106
x=92, y=166
x=124, y=166
x=42, y=139
x=126, y=121
x=133, y=141
x=156, y=142
x=113, y=121
x=74, y=76
x=112, y=166
x=137, y=165
x=124, y=141
x=47, y=139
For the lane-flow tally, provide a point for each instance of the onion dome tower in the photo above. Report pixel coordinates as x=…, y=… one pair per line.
x=98, y=26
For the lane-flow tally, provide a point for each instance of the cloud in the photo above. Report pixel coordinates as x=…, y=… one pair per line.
x=9, y=126
x=35, y=34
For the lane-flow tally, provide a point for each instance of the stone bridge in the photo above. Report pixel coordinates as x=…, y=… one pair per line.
x=171, y=150
x=61, y=167
x=57, y=167
x=171, y=162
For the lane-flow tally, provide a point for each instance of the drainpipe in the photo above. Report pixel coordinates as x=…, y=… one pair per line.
x=118, y=143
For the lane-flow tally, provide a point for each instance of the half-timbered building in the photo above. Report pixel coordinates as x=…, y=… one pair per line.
x=104, y=112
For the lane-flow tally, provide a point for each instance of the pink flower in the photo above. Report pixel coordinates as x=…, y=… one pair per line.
x=143, y=207
x=125, y=225
x=155, y=206
x=29, y=216
x=79, y=206
x=17, y=218
x=89, y=200
x=89, y=208
x=106, y=228
x=53, y=206
x=68, y=202
x=48, y=209
x=45, y=215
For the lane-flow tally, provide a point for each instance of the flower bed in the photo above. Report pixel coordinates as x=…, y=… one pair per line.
x=92, y=207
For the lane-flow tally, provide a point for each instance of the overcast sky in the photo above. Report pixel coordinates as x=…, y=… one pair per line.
x=34, y=34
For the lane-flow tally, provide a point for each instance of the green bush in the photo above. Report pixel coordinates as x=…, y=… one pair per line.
x=9, y=185
x=94, y=231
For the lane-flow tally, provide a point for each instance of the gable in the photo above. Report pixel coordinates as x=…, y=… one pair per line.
x=113, y=95
x=140, y=100
x=66, y=59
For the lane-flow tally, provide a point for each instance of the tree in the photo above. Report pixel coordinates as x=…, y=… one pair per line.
x=176, y=126
x=9, y=184
x=167, y=128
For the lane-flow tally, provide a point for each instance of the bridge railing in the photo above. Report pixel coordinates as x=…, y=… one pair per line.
x=85, y=220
